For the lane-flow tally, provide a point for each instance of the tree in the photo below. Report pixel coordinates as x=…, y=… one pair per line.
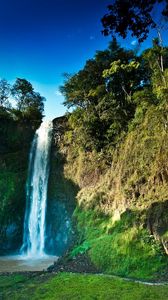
x=124, y=74
x=99, y=97
x=5, y=91
x=78, y=89
x=134, y=16
x=88, y=85
x=155, y=58
x=35, y=107
x=22, y=89
x=29, y=103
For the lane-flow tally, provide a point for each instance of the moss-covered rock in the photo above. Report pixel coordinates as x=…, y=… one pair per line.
x=15, y=140
x=136, y=180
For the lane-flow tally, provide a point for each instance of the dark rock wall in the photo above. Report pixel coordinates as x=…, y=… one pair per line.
x=15, y=141
x=61, y=197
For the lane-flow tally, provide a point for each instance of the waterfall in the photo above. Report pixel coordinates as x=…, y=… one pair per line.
x=36, y=193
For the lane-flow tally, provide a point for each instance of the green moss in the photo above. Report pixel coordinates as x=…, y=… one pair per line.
x=75, y=286
x=165, y=235
x=123, y=248
x=81, y=249
x=15, y=143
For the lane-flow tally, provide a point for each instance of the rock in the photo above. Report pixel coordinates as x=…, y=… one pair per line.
x=80, y=264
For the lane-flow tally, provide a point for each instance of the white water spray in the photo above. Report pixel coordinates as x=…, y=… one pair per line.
x=36, y=193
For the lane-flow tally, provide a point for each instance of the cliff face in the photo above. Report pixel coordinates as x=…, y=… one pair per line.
x=61, y=197
x=15, y=143
x=121, y=212
x=15, y=140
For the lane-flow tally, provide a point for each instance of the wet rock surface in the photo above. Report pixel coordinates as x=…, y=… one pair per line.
x=79, y=264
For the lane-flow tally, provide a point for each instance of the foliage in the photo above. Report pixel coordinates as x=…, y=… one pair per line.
x=22, y=89
x=136, y=179
x=156, y=59
x=119, y=121
x=136, y=16
x=29, y=103
x=123, y=247
x=122, y=72
x=101, y=111
x=81, y=249
x=112, y=91
x=5, y=91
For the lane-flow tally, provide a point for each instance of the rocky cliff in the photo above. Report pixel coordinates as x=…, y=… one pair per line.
x=122, y=210
x=61, y=200
x=15, y=140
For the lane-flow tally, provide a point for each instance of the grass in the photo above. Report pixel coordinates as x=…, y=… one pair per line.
x=124, y=248
x=74, y=286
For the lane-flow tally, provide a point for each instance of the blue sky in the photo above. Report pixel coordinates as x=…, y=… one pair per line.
x=40, y=40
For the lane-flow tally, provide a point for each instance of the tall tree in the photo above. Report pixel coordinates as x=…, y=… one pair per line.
x=21, y=90
x=99, y=97
x=29, y=103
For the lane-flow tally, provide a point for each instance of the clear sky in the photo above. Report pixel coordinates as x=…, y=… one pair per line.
x=40, y=40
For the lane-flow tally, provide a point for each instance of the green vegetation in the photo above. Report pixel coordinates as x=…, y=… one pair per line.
x=123, y=247
x=17, y=127
x=16, y=137
x=122, y=217
x=137, y=18
x=102, y=105
x=112, y=91
x=29, y=104
x=75, y=286
x=115, y=148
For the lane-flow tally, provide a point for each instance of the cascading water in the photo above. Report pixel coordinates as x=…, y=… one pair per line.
x=36, y=193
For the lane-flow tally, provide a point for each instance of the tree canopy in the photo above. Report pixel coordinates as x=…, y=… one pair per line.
x=5, y=91
x=134, y=16
x=109, y=93
x=29, y=104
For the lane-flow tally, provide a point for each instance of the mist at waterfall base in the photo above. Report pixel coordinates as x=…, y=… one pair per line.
x=46, y=229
